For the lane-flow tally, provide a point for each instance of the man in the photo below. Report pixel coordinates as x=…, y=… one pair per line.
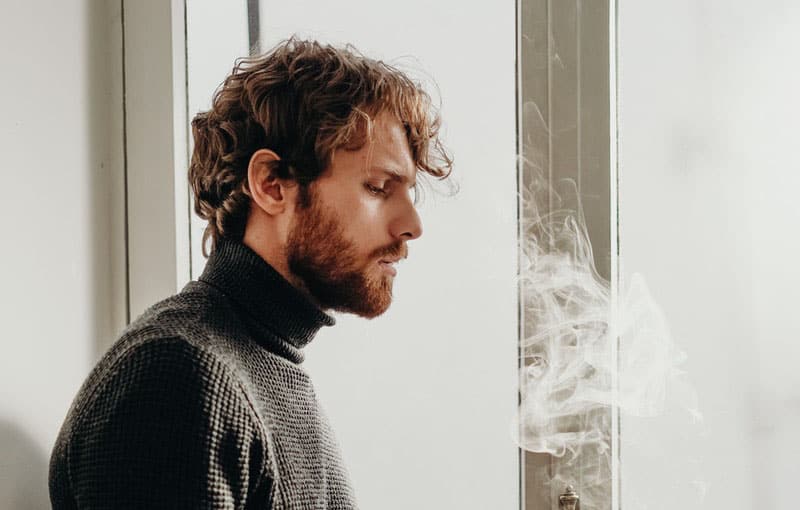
x=304, y=168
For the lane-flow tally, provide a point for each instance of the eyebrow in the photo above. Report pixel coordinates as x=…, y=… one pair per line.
x=395, y=175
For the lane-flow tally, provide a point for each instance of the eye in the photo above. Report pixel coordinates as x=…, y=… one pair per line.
x=375, y=190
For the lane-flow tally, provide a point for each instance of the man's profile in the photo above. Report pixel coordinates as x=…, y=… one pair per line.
x=304, y=168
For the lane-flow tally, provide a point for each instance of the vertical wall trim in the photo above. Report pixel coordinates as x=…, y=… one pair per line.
x=155, y=150
x=520, y=361
x=579, y=96
x=181, y=145
x=189, y=195
x=125, y=172
x=613, y=112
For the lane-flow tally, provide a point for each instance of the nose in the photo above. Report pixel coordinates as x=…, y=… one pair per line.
x=407, y=225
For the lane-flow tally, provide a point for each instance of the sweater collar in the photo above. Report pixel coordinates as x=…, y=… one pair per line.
x=271, y=302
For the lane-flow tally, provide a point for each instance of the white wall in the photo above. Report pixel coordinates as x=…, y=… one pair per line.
x=421, y=398
x=62, y=260
x=709, y=175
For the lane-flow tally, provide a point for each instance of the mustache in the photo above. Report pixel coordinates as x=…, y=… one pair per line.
x=396, y=250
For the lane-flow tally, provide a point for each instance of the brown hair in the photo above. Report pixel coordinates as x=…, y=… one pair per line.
x=303, y=100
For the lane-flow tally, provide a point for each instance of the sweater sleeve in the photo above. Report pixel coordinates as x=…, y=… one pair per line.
x=169, y=427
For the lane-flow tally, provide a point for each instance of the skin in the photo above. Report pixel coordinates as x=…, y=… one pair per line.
x=361, y=212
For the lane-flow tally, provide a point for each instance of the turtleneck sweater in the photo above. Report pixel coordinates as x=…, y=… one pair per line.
x=203, y=403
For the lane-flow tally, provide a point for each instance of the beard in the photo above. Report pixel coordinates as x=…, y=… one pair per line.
x=328, y=265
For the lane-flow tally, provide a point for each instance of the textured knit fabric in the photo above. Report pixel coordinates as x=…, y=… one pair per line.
x=202, y=403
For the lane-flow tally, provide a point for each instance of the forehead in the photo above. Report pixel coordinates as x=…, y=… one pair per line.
x=389, y=146
x=386, y=153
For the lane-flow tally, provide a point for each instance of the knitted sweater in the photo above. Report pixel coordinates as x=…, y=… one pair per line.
x=202, y=403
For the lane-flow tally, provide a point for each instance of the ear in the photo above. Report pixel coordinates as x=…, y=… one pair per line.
x=268, y=192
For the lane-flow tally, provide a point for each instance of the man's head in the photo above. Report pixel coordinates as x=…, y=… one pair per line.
x=309, y=155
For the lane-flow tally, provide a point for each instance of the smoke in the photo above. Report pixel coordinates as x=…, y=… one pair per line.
x=587, y=353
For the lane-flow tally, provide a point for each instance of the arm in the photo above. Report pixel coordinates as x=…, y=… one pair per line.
x=168, y=428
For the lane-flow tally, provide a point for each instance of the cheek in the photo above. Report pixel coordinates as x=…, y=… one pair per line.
x=359, y=208
x=362, y=224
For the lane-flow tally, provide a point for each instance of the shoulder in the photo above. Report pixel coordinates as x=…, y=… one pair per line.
x=199, y=323
x=157, y=393
x=167, y=375
x=187, y=341
x=192, y=314
x=163, y=418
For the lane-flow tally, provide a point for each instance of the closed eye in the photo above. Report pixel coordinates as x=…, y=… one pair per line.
x=375, y=190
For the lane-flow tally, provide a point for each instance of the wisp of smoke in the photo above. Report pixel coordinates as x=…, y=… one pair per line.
x=568, y=389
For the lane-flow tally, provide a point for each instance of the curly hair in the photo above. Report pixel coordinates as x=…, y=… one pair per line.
x=302, y=100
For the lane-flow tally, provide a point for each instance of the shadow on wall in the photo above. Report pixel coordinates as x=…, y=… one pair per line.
x=23, y=470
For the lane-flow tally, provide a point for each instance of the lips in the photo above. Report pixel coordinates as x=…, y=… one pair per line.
x=388, y=265
x=388, y=261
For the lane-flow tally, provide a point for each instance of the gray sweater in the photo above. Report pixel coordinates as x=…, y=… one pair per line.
x=202, y=403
